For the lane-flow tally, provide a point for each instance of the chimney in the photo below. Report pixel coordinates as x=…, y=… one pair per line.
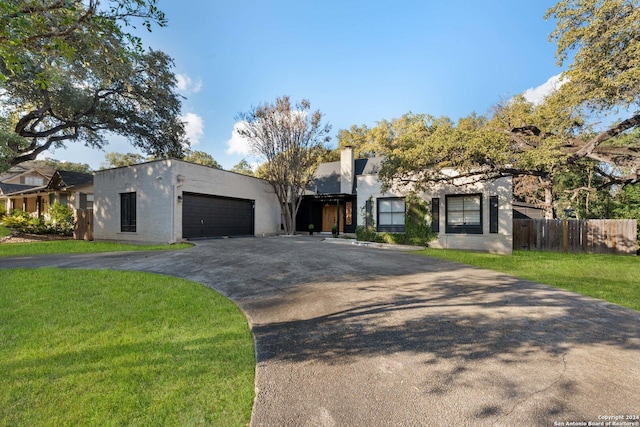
x=346, y=170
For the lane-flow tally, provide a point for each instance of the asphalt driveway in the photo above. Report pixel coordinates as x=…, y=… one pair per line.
x=354, y=336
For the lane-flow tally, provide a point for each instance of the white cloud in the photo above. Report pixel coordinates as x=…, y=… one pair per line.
x=186, y=85
x=238, y=144
x=194, y=127
x=538, y=94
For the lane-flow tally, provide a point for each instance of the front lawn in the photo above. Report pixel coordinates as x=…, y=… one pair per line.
x=120, y=348
x=77, y=247
x=614, y=278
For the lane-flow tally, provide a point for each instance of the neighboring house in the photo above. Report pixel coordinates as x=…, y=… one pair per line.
x=167, y=201
x=467, y=215
x=22, y=187
x=34, y=191
x=523, y=210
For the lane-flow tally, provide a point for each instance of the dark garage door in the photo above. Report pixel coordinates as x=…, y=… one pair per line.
x=213, y=216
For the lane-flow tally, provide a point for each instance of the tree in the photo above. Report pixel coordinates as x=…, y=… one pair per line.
x=603, y=38
x=69, y=72
x=201, y=158
x=287, y=137
x=116, y=160
x=54, y=164
x=365, y=141
x=243, y=167
x=545, y=146
x=31, y=30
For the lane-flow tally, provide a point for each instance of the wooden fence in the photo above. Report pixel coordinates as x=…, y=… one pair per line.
x=84, y=225
x=601, y=236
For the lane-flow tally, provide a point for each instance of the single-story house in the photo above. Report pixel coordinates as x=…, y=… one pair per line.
x=465, y=214
x=33, y=191
x=166, y=201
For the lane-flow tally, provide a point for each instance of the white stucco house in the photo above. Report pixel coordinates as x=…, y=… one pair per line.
x=167, y=201
x=465, y=214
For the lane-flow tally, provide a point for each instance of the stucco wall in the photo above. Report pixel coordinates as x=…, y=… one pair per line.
x=501, y=242
x=158, y=210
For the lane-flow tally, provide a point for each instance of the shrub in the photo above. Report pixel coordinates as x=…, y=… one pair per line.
x=418, y=229
x=60, y=221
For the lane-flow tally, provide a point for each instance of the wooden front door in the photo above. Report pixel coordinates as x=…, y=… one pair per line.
x=330, y=217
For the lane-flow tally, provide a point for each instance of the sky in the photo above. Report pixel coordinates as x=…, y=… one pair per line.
x=358, y=62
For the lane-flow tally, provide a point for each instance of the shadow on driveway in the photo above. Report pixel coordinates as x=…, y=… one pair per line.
x=349, y=335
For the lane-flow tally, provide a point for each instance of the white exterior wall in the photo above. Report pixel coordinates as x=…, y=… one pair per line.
x=157, y=186
x=501, y=242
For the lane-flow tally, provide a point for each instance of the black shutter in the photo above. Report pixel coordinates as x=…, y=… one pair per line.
x=435, y=215
x=493, y=214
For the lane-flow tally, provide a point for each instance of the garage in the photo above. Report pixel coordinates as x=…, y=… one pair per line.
x=214, y=216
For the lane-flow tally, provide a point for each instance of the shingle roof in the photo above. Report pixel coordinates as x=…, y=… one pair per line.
x=68, y=179
x=7, y=189
x=72, y=179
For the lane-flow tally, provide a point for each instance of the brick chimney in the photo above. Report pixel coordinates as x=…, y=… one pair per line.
x=347, y=170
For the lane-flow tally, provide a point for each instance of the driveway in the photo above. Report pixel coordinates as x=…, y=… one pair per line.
x=355, y=336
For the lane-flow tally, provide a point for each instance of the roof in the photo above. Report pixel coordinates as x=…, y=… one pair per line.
x=326, y=180
x=7, y=189
x=68, y=179
x=19, y=171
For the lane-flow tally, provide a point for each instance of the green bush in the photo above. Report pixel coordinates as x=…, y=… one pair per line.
x=418, y=229
x=60, y=221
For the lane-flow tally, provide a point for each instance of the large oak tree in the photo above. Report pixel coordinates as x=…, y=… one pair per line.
x=69, y=71
x=537, y=143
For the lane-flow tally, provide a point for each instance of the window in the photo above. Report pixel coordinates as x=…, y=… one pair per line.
x=128, y=212
x=493, y=214
x=391, y=215
x=86, y=201
x=31, y=180
x=464, y=213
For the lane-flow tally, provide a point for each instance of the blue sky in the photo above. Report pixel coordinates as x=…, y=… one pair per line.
x=357, y=61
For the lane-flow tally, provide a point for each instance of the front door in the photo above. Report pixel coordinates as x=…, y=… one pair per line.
x=330, y=217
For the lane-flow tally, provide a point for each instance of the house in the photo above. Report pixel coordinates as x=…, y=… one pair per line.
x=465, y=214
x=166, y=201
x=522, y=210
x=34, y=190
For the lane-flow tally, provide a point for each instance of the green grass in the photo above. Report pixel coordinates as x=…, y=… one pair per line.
x=120, y=348
x=613, y=278
x=4, y=231
x=77, y=247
